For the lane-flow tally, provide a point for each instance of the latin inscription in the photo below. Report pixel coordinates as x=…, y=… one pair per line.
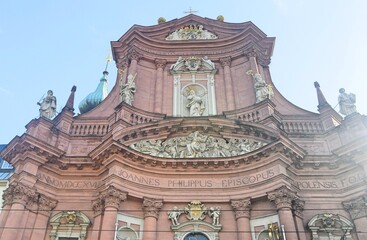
x=68, y=184
x=342, y=182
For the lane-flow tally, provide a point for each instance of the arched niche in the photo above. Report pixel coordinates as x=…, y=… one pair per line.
x=193, y=74
x=69, y=225
x=328, y=226
x=126, y=233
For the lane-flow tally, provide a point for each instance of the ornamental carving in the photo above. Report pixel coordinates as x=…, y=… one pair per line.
x=151, y=207
x=357, y=208
x=191, y=32
x=192, y=63
x=282, y=197
x=241, y=207
x=298, y=207
x=226, y=61
x=332, y=225
x=160, y=63
x=111, y=197
x=134, y=55
x=196, y=145
x=28, y=197
x=195, y=211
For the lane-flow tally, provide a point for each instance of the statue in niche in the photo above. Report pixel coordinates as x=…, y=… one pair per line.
x=214, y=214
x=346, y=102
x=128, y=90
x=262, y=89
x=48, y=105
x=195, y=104
x=173, y=215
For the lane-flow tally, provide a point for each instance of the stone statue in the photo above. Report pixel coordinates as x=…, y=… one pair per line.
x=179, y=60
x=263, y=90
x=346, y=102
x=215, y=213
x=195, y=104
x=173, y=215
x=128, y=90
x=48, y=105
x=208, y=61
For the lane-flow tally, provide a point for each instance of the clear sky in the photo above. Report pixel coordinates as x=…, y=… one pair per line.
x=50, y=44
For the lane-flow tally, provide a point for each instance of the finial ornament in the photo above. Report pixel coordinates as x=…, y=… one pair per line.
x=48, y=105
x=190, y=11
x=346, y=102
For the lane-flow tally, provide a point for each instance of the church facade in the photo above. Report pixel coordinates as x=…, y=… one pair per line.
x=194, y=141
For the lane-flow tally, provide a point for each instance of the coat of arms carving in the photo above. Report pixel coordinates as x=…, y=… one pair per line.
x=195, y=210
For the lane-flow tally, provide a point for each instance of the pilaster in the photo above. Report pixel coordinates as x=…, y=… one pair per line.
x=151, y=209
x=242, y=213
x=226, y=63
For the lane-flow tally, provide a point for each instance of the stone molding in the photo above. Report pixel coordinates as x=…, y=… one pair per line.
x=241, y=207
x=282, y=197
x=29, y=198
x=160, y=63
x=151, y=207
x=122, y=63
x=357, y=207
x=226, y=61
x=110, y=197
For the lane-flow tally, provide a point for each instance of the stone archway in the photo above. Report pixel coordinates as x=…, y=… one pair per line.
x=69, y=225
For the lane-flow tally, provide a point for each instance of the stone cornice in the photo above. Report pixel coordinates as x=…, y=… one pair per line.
x=241, y=207
x=151, y=207
x=27, y=143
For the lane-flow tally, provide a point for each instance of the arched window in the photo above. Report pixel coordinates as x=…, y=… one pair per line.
x=196, y=236
x=126, y=233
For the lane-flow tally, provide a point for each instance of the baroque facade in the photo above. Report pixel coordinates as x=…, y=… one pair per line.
x=194, y=141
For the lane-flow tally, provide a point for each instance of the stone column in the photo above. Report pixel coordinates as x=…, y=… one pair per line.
x=226, y=63
x=253, y=63
x=242, y=212
x=357, y=209
x=151, y=209
x=158, y=94
x=98, y=206
x=134, y=57
x=298, y=206
x=45, y=206
x=17, y=195
x=111, y=199
x=283, y=198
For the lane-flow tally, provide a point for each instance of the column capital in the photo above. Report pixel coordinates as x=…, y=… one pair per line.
x=110, y=197
x=251, y=53
x=160, y=63
x=19, y=193
x=122, y=63
x=298, y=207
x=241, y=207
x=225, y=61
x=151, y=207
x=134, y=55
x=282, y=197
x=357, y=207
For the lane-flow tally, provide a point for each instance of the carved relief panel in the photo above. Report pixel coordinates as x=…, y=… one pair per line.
x=193, y=88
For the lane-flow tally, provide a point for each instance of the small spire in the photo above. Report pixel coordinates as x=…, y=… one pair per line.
x=70, y=103
x=320, y=97
x=108, y=60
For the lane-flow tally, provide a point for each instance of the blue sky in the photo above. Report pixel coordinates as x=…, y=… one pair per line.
x=54, y=45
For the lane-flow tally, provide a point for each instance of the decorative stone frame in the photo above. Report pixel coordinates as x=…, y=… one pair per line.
x=131, y=220
x=183, y=229
x=263, y=221
x=329, y=223
x=69, y=224
x=199, y=75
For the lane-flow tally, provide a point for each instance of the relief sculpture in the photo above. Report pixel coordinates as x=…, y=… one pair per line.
x=196, y=145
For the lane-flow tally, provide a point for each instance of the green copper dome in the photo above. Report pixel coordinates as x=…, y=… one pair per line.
x=96, y=97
